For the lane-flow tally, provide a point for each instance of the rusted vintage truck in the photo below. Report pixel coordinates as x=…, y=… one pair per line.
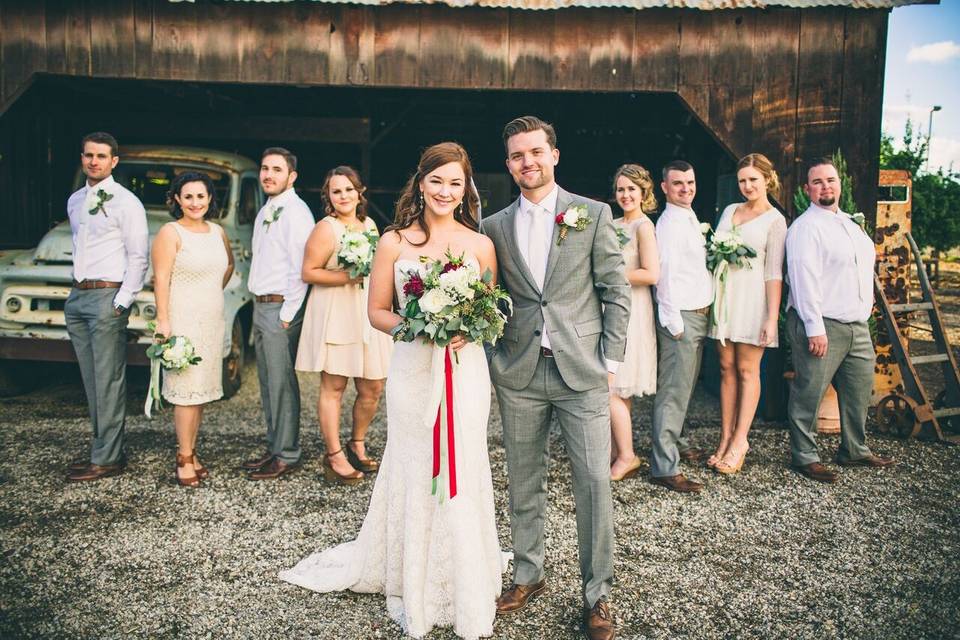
x=35, y=283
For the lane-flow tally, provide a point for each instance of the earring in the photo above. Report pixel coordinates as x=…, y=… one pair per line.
x=459, y=210
x=422, y=203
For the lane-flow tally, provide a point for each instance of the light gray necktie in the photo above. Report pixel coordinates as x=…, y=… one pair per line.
x=536, y=252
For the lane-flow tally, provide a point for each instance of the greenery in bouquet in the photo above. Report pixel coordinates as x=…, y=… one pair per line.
x=450, y=297
x=728, y=247
x=172, y=353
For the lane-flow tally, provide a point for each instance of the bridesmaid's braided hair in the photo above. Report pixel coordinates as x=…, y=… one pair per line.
x=640, y=177
x=410, y=206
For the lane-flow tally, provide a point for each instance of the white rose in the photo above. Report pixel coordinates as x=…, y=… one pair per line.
x=705, y=228
x=722, y=237
x=457, y=282
x=434, y=300
x=570, y=217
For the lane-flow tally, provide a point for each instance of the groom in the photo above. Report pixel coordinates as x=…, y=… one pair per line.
x=568, y=331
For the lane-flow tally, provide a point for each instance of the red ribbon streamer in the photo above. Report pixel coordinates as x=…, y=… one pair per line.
x=452, y=460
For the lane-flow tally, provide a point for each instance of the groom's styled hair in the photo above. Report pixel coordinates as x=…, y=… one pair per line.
x=675, y=165
x=525, y=124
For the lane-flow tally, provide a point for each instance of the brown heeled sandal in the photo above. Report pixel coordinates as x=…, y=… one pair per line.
x=367, y=465
x=330, y=475
x=191, y=481
x=203, y=473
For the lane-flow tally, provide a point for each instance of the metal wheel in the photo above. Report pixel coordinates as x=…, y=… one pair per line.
x=896, y=416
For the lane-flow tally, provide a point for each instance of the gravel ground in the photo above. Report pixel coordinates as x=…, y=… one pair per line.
x=765, y=553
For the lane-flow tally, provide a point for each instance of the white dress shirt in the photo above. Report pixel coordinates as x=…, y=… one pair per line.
x=685, y=283
x=112, y=244
x=547, y=207
x=277, y=262
x=830, y=269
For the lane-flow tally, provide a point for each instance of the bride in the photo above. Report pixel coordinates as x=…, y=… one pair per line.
x=437, y=560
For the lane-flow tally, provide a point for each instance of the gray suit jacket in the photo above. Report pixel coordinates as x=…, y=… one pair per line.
x=585, y=299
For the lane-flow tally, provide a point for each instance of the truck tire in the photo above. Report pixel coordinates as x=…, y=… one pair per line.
x=233, y=363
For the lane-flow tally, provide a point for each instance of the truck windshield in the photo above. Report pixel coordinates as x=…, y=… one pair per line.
x=151, y=181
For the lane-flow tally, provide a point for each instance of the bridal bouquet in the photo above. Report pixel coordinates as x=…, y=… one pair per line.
x=449, y=297
x=356, y=252
x=725, y=250
x=173, y=354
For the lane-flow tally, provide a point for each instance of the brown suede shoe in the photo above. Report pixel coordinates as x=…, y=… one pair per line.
x=255, y=464
x=692, y=454
x=678, y=483
x=518, y=595
x=81, y=464
x=598, y=623
x=274, y=469
x=816, y=471
x=95, y=472
x=870, y=461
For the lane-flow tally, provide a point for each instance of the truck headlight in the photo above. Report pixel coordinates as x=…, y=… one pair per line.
x=149, y=311
x=14, y=304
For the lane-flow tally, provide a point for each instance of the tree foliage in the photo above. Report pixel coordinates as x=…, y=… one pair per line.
x=936, y=196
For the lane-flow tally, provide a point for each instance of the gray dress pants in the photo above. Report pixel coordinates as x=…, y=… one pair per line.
x=678, y=364
x=276, y=350
x=584, y=419
x=99, y=337
x=849, y=365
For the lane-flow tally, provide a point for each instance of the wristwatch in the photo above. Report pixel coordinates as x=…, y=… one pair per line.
x=119, y=308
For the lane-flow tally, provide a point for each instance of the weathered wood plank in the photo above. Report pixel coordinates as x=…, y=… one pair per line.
x=774, y=122
x=463, y=47
x=656, y=50
x=264, y=32
x=396, y=46
x=530, y=56
x=175, y=53
x=112, y=38
x=351, y=45
x=77, y=38
x=143, y=37
x=24, y=44
x=860, y=119
x=593, y=49
x=731, y=78
x=222, y=41
x=308, y=55
x=55, y=25
x=485, y=48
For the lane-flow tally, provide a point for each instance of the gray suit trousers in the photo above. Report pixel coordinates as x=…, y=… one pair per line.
x=276, y=349
x=99, y=337
x=849, y=365
x=678, y=363
x=584, y=418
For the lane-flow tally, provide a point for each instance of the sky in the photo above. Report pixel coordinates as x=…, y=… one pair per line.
x=923, y=70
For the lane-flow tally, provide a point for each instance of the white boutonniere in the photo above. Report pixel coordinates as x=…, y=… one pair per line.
x=705, y=229
x=272, y=216
x=622, y=236
x=102, y=198
x=573, y=218
x=859, y=219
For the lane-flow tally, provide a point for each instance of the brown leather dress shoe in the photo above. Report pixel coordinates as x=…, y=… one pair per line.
x=692, y=454
x=678, y=483
x=598, y=623
x=255, y=464
x=518, y=595
x=81, y=464
x=95, y=472
x=816, y=471
x=870, y=461
x=274, y=469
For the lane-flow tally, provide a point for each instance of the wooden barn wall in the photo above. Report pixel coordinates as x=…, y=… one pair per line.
x=789, y=83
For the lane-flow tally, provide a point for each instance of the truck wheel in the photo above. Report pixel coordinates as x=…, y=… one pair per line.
x=17, y=377
x=233, y=363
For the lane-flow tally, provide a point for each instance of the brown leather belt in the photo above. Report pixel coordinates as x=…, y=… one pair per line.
x=96, y=284
x=546, y=353
x=702, y=310
x=270, y=297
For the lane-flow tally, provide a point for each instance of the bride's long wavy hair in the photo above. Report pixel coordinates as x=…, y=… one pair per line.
x=410, y=206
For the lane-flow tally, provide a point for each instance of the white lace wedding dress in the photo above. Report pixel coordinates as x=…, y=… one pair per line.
x=437, y=561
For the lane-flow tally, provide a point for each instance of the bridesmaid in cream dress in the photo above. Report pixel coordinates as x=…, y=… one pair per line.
x=749, y=309
x=192, y=263
x=337, y=338
x=637, y=376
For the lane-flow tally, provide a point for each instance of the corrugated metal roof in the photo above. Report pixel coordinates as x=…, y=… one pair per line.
x=703, y=5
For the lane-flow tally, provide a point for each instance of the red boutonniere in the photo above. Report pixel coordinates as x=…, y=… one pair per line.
x=573, y=218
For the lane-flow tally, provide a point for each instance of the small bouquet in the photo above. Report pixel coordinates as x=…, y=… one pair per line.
x=173, y=354
x=356, y=252
x=725, y=250
x=449, y=297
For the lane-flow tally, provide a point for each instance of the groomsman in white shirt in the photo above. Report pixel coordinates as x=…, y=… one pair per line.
x=684, y=294
x=109, y=226
x=830, y=261
x=279, y=236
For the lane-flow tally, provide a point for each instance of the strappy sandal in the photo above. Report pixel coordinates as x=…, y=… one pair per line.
x=203, y=473
x=330, y=475
x=190, y=481
x=367, y=465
